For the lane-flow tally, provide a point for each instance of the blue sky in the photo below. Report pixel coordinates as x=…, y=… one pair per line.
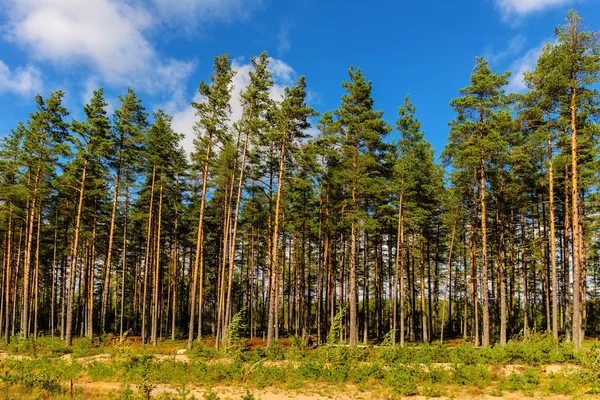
x=164, y=48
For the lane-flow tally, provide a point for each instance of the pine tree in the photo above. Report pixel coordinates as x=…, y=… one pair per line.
x=578, y=54
x=130, y=123
x=91, y=148
x=472, y=138
x=292, y=122
x=45, y=141
x=214, y=115
x=359, y=129
x=165, y=158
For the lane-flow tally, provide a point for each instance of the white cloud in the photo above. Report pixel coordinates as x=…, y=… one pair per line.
x=523, y=64
x=22, y=80
x=515, y=46
x=113, y=37
x=184, y=118
x=284, y=45
x=107, y=35
x=524, y=7
x=193, y=12
x=183, y=122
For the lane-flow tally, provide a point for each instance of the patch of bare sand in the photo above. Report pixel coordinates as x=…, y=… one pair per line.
x=100, y=389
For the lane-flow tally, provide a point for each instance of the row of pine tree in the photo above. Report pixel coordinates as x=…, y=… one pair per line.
x=107, y=226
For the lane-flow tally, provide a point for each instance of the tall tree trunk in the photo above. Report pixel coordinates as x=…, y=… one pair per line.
x=108, y=259
x=576, y=229
x=422, y=282
x=90, y=301
x=485, y=338
x=352, y=273
x=524, y=263
x=552, y=237
x=8, y=275
x=399, y=275
x=147, y=258
x=124, y=261
x=73, y=259
x=224, y=253
x=37, y=276
x=447, y=288
x=275, y=238
x=175, y=265
x=156, y=284
x=232, y=243
x=198, y=272
x=27, y=259
x=502, y=277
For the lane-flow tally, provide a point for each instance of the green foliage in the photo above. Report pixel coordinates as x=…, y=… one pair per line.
x=235, y=329
x=529, y=380
x=44, y=374
x=477, y=375
x=145, y=388
x=210, y=395
x=561, y=384
x=184, y=394
x=248, y=396
x=335, y=330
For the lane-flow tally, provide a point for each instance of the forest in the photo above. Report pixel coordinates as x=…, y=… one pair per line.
x=109, y=228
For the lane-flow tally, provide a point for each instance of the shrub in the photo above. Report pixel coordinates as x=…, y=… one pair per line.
x=210, y=395
x=561, y=384
x=465, y=353
x=477, y=375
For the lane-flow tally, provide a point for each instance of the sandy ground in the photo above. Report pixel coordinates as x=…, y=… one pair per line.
x=100, y=389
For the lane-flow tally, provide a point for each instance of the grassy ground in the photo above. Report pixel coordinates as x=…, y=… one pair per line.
x=537, y=367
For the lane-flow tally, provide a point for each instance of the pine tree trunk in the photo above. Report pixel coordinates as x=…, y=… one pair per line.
x=198, y=272
x=155, y=300
x=37, y=276
x=576, y=229
x=474, y=295
x=524, y=262
x=124, y=262
x=352, y=273
x=107, y=261
x=275, y=238
x=485, y=338
x=175, y=265
x=73, y=260
x=224, y=253
x=27, y=259
x=90, y=301
x=422, y=283
x=147, y=258
x=447, y=288
x=566, y=266
x=502, y=283
x=234, y=233
x=8, y=275
x=399, y=255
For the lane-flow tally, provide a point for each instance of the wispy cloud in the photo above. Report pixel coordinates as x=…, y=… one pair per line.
x=283, y=41
x=525, y=63
x=514, y=47
x=524, y=7
x=22, y=80
x=193, y=13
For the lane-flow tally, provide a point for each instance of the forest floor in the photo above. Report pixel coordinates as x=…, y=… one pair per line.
x=531, y=368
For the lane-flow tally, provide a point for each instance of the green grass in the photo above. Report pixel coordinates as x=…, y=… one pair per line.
x=38, y=369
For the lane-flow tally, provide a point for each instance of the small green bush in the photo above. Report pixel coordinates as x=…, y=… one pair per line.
x=476, y=375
